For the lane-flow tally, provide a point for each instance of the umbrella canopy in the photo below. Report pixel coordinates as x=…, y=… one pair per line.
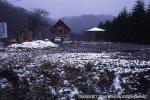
x=95, y=29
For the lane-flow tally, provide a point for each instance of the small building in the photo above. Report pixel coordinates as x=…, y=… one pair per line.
x=61, y=30
x=3, y=30
x=95, y=34
x=21, y=37
x=25, y=33
x=3, y=33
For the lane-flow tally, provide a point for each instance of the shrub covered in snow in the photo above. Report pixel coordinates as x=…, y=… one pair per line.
x=65, y=75
x=38, y=44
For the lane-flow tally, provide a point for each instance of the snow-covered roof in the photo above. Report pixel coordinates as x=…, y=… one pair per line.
x=95, y=29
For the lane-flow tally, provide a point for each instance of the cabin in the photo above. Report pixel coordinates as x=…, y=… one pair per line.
x=26, y=32
x=60, y=30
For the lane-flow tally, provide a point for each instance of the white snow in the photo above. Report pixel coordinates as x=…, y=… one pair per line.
x=117, y=84
x=79, y=59
x=38, y=44
x=95, y=29
x=52, y=90
x=4, y=84
x=101, y=61
x=66, y=83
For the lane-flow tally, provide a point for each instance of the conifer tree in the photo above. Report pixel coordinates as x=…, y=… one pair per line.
x=138, y=21
x=148, y=21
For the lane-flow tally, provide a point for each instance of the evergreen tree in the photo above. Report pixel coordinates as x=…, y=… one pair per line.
x=131, y=26
x=116, y=30
x=148, y=23
x=138, y=21
x=121, y=23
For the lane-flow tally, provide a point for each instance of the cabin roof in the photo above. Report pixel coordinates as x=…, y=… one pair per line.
x=60, y=23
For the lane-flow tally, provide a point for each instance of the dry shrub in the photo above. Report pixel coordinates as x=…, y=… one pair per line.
x=106, y=78
x=47, y=66
x=55, y=79
x=88, y=66
x=71, y=72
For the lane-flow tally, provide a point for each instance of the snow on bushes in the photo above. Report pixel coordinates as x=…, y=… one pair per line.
x=38, y=44
x=67, y=75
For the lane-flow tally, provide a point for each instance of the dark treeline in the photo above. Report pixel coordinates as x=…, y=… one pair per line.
x=133, y=27
x=20, y=20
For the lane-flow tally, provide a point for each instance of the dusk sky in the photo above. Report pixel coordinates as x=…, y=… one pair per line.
x=61, y=8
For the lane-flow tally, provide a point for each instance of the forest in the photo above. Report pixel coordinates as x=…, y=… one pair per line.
x=20, y=20
x=132, y=27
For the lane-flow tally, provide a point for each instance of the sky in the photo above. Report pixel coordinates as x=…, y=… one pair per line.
x=65, y=8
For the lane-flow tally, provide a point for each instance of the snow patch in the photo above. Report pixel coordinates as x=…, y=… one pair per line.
x=117, y=83
x=38, y=44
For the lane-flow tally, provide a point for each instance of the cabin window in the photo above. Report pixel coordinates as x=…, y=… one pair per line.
x=60, y=29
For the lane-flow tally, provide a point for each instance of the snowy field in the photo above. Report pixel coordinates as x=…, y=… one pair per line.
x=70, y=70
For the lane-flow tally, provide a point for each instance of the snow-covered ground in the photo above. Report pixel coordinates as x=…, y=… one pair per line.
x=68, y=74
x=38, y=44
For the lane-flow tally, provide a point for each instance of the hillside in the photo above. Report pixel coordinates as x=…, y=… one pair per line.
x=81, y=23
x=18, y=19
x=11, y=15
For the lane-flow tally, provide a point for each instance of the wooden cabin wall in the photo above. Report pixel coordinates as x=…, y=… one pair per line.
x=24, y=37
